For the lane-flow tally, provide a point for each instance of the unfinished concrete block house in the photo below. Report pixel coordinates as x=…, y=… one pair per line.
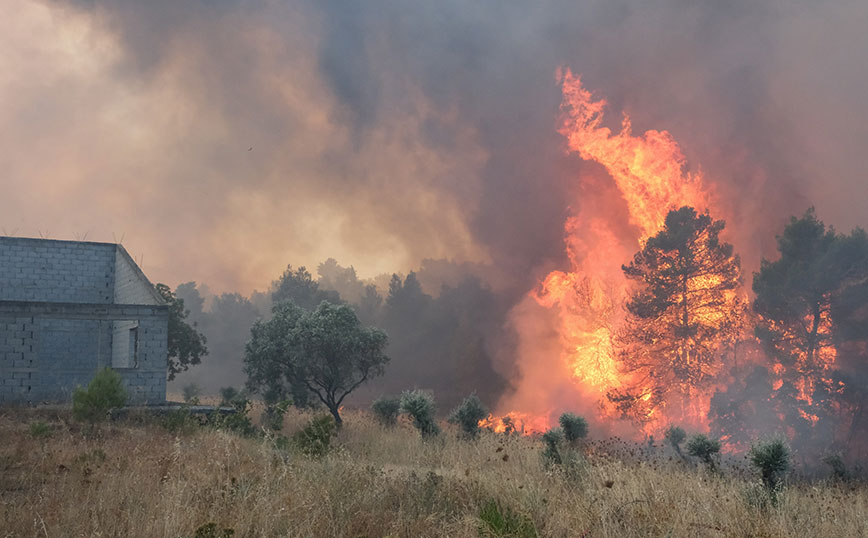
x=69, y=308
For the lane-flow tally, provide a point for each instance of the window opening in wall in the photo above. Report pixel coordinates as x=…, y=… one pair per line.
x=125, y=344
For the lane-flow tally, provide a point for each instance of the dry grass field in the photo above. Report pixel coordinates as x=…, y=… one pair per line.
x=136, y=479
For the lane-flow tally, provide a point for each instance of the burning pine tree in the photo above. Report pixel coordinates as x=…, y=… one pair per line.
x=679, y=318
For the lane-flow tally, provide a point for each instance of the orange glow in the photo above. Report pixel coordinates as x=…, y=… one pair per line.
x=650, y=176
x=515, y=422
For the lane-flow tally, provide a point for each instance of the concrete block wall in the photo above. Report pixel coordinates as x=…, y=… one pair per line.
x=17, y=358
x=61, y=303
x=147, y=382
x=56, y=271
x=130, y=285
x=69, y=352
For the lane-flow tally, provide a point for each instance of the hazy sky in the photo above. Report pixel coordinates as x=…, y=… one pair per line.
x=222, y=140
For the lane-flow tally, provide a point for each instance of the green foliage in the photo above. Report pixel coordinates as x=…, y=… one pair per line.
x=272, y=415
x=315, y=439
x=838, y=467
x=191, y=393
x=40, y=429
x=772, y=459
x=498, y=521
x=104, y=393
x=326, y=352
x=675, y=435
x=552, y=439
x=420, y=406
x=180, y=421
x=238, y=422
x=386, y=409
x=211, y=530
x=704, y=448
x=299, y=287
x=468, y=414
x=186, y=345
x=228, y=396
x=573, y=426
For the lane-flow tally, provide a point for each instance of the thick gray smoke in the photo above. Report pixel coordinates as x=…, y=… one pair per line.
x=385, y=132
x=224, y=140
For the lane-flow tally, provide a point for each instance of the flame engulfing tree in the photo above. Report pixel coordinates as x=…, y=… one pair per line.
x=679, y=317
x=812, y=312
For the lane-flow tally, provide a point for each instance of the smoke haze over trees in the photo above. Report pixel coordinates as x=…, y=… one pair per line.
x=223, y=140
x=443, y=342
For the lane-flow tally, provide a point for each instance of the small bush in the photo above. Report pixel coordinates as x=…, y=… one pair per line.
x=705, y=448
x=468, y=414
x=238, y=422
x=420, y=406
x=497, y=521
x=227, y=396
x=210, y=530
x=104, y=393
x=772, y=459
x=272, y=415
x=40, y=429
x=573, y=426
x=191, y=394
x=180, y=421
x=315, y=439
x=675, y=436
x=552, y=439
x=386, y=409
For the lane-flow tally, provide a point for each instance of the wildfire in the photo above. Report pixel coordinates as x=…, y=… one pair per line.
x=647, y=177
x=515, y=422
x=650, y=178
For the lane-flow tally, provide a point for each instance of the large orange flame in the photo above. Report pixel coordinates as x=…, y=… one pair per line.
x=650, y=178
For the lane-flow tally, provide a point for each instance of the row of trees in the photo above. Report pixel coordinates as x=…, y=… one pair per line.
x=441, y=342
x=803, y=339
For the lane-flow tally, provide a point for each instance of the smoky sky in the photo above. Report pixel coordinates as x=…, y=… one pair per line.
x=222, y=140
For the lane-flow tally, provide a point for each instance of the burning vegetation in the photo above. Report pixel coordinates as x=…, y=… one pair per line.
x=673, y=336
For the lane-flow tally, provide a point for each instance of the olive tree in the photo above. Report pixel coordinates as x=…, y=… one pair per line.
x=326, y=352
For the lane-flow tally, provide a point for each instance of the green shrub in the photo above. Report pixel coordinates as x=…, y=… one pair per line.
x=180, y=421
x=40, y=429
x=705, y=448
x=573, y=426
x=191, y=394
x=675, y=436
x=104, y=393
x=468, y=414
x=838, y=467
x=772, y=459
x=420, y=406
x=227, y=396
x=315, y=439
x=498, y=521
x=272, y=415
x=552, y=439
x=238, y=422
x=210, y=530
x=386, y=409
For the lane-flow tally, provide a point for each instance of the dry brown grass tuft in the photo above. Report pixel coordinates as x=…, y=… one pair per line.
x=140, y=480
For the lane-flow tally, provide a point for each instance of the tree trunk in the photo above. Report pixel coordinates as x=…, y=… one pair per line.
x=334, y=409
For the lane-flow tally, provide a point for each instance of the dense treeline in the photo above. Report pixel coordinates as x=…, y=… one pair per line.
x=437, y=342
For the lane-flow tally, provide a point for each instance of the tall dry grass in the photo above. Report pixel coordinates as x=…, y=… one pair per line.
x=140, y=480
